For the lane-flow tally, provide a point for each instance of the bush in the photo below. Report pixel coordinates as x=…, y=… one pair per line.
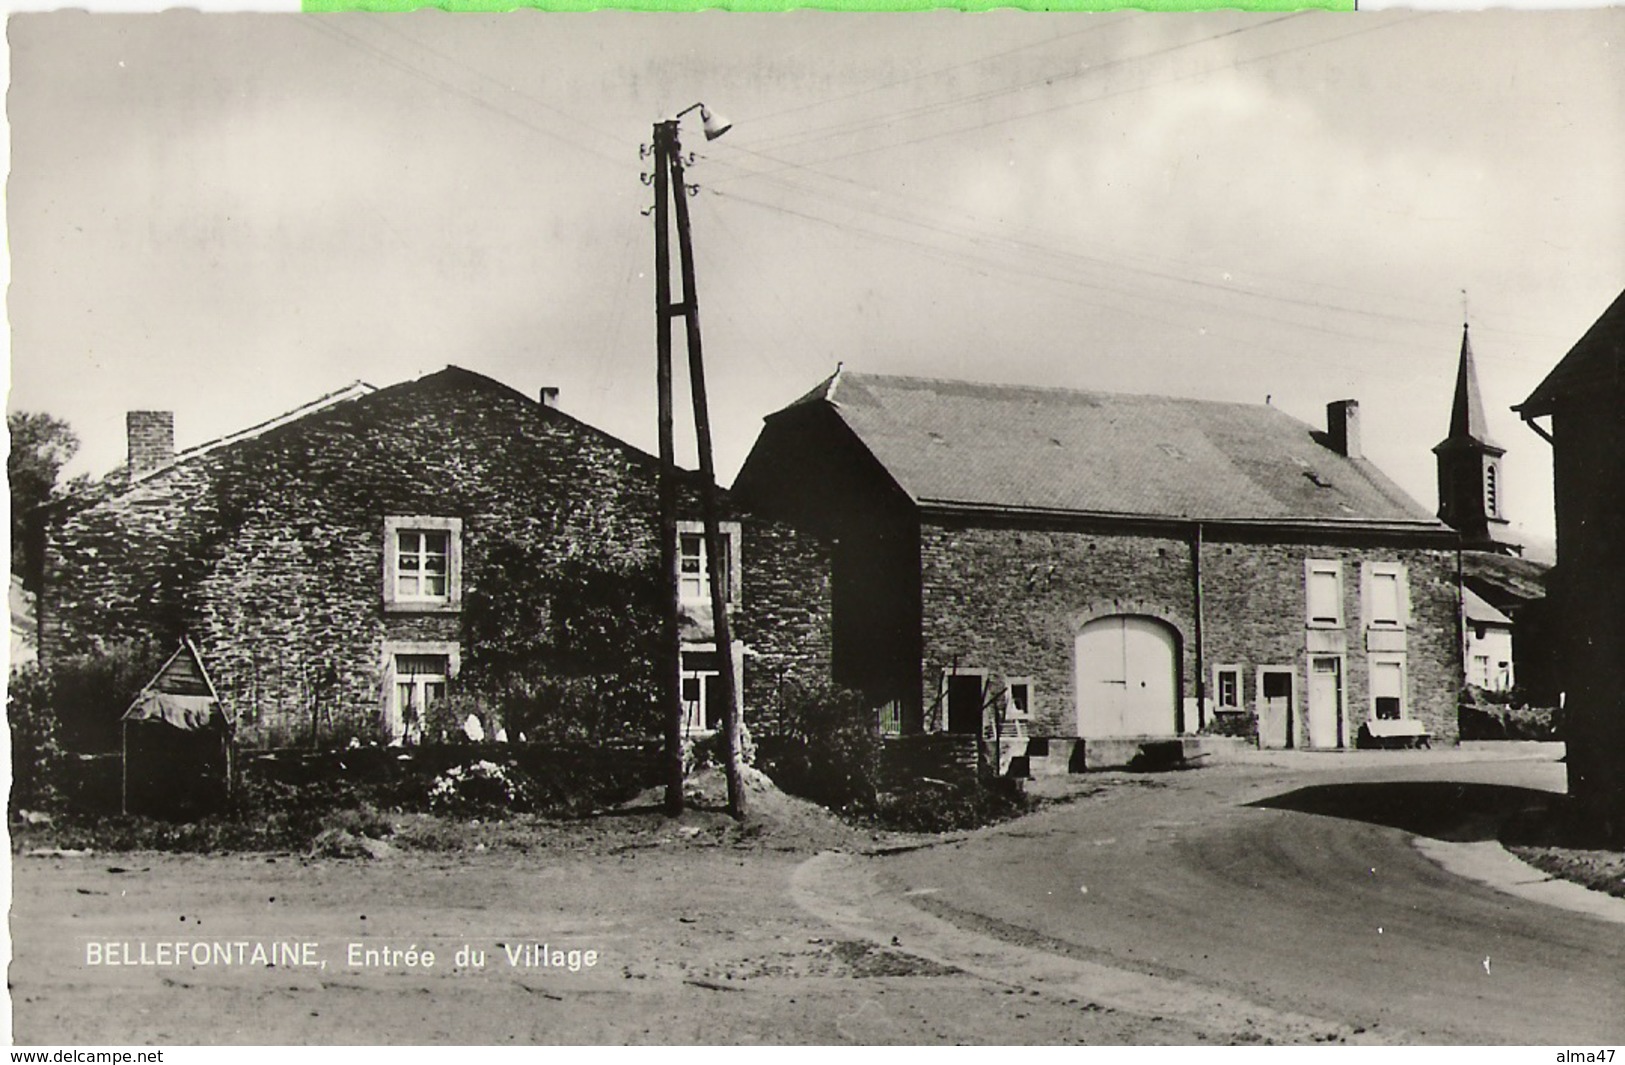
x=1241, y=725
x=564, y=652
x=939, y=806
x=1486, y=715
x=479, y=788
x=36, y=757
x=90, y=692
x=828, y=749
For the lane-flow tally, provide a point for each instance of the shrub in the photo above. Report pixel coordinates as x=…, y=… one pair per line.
x=1486, y=715
x=564, y=651
x=1241, y=725
x=477, y=788
x=90, y=692
x=940, y=806
x=36, y=757
x=828, y=749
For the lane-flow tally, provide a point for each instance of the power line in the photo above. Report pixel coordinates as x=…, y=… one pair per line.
x=983, y=266
x=326, y=27
x=938, y=72
x=982, y=96
x=1106, y=96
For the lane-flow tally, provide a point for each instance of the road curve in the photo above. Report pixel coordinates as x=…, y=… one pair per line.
x=1299, y=893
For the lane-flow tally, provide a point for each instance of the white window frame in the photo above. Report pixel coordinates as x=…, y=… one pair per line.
x=1314, y=566
x=1386, y=659
x=1010, y=686
x=1234, y=669
x=452, y=601
x=394, y=728
x=694, y=713
x=694, y=717
x=700, y=592
x=1370, y=573
x=1492, y=489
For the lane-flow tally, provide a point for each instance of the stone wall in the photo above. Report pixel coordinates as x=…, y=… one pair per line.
x=1010, y=598
x=785, y=617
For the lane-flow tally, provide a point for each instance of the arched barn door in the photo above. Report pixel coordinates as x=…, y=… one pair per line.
x=1127, y=677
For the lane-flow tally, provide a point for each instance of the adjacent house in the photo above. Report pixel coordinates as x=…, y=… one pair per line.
x=1583, y=399
x=1489, y=644
x=1091, y=566
x=322, y=563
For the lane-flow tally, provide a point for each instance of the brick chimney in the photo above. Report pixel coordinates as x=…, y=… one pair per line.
x=152, y=439
x=1343, y=427
x=550, y=397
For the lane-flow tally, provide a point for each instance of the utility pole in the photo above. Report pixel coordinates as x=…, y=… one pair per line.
x=669, y=171
x=668, y=661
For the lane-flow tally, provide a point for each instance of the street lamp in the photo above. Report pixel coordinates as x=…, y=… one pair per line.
x=668, y=183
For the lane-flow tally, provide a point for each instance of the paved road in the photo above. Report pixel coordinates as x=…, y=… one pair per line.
x=1298, y=889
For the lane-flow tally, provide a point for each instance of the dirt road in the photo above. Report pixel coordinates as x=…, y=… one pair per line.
x=1238, y=904
x=697, y=933
x=1296, y=891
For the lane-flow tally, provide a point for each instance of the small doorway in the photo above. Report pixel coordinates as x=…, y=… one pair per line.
x=1275, y=710
x=964, y=697
x=1325, y=703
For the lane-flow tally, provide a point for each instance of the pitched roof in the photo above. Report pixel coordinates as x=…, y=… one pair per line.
x=354, y=390
x=1049, y=449
x=115, y=482
x=1478, y=610
x=1597, y=361
x=1467, y=421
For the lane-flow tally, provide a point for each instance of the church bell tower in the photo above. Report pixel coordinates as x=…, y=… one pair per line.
x=1470, y=488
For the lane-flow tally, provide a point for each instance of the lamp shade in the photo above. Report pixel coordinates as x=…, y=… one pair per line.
x=715, y=125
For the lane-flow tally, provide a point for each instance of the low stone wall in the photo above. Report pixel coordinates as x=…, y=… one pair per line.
x=947, y=756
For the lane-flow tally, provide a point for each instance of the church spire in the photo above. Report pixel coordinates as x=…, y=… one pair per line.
x=1467, y=421
x=1470, y=489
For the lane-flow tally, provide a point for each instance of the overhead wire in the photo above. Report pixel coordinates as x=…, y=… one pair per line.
x=1044, y=82
x=326, y=27
x=934, y=73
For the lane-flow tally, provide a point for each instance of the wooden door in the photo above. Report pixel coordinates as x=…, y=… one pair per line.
x=1127, y=679
x=1325, y=702
x=1275, y=714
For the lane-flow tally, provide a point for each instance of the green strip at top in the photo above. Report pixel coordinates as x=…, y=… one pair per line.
x=828, y=5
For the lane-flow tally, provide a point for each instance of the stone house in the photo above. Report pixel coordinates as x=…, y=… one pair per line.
x=1075, y=565
x=1584, y=399
x=322, y=561
x=1488, y=648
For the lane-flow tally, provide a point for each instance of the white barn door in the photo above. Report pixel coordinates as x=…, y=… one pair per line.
x=1126, y=678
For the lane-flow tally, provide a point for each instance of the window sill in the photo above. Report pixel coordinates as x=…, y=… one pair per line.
x=425, y=606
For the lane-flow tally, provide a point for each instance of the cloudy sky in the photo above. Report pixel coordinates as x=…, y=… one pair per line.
x=226, y=215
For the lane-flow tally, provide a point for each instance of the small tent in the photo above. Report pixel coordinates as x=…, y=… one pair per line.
x=177, y=741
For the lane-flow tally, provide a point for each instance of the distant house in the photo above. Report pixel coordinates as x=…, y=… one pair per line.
x=1489, y=644
x=322, y=562
x=1096, y=566
x=1505, y=592
x=1584, y=398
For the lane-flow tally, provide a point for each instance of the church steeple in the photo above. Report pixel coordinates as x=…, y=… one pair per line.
x=1470, y=491
x=1467, y=413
